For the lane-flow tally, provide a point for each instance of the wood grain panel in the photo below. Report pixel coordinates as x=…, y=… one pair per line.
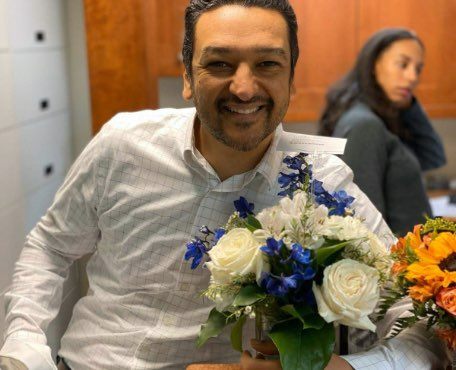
x=170, y=23
x=327, y=42
x=434, y=22
x=120, y=77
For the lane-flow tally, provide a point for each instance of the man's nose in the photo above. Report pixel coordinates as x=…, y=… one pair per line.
x=243, y=83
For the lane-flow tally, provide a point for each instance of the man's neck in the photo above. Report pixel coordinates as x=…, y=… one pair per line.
x=225, y=160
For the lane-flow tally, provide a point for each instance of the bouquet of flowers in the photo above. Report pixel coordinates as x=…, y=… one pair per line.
x=298, y=268
x=424, y=269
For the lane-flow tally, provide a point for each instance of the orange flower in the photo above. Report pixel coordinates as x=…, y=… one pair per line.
x=412, y=240
x=449, y=336
x=399, y=267
x=436, y=267
x=422, y=291
x=446, y=298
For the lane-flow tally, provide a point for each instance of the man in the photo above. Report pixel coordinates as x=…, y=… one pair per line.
x=143, y=187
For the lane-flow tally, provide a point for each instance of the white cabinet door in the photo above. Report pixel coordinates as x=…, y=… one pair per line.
x=35, y=24
x=40, y=84
x=45, y=151
x=3, y=26
x=7, y=118
x=33, y=156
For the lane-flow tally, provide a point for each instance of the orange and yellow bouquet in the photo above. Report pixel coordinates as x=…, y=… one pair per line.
x=424, y=269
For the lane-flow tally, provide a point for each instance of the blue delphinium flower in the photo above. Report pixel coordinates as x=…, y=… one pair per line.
x=303, y=272
x=272, y=247
x=218, y=234
x=293, y=181
x=290, y=190
x=285, y=179
x=336, y=202
x=196, y=249
x=243, y=207
x=278, y=286
x=343, y=201
x=299, y=254
x=295, y=163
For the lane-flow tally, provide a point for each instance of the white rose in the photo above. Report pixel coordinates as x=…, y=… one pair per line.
x=237, y=253
x=349, y=294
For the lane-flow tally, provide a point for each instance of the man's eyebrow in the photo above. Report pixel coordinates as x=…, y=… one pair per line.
x=220, y=50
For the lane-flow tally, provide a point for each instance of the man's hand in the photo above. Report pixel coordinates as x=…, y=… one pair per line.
x=259, y=363
x=338, y=363
x=8, y=363
x=268, y=348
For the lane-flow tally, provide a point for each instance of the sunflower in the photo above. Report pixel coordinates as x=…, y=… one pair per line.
x=435, y=268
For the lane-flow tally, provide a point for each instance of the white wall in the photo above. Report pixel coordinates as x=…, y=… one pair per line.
x=38, y=140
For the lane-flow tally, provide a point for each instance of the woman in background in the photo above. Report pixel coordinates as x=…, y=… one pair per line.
x=390, y=139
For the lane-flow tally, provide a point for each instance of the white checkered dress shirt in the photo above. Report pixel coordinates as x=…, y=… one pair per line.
x=134, y=197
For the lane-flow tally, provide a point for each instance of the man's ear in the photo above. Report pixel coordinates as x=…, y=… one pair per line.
x=187, y=93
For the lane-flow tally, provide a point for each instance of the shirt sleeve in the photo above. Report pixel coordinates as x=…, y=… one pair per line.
x=415, y=348
x=424, y=140
x=67, y=231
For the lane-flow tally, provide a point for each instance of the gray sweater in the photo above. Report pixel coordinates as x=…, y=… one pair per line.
x=387, y=169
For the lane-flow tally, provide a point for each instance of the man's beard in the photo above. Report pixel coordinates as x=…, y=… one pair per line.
x=217, y=131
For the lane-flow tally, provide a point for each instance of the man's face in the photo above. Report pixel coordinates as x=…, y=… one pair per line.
x=240, y=80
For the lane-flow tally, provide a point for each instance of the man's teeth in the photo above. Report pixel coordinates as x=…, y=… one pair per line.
x=244, y=111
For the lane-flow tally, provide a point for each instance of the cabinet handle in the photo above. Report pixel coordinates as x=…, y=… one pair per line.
x=44, y=104
x=40, y=36
x=48, y=170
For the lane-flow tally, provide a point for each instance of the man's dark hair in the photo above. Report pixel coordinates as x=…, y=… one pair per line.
x=360, y=84
x=198, y=7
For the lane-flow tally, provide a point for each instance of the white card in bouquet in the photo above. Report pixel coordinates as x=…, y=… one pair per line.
x=294, y=142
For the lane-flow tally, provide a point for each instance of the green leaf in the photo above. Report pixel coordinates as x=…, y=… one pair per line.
x=236, y=334
x=323, y=253
x=300, y=349
x=248, y=295
x=213, y=326
x=252, y=223
x=308, y=318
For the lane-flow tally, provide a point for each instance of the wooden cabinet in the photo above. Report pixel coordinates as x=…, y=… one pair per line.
x=328, y=45
x=122, y=61
x=133, y=42
x=170, y=32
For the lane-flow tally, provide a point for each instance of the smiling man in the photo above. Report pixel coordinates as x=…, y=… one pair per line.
x=240, y=79
x=147, y=182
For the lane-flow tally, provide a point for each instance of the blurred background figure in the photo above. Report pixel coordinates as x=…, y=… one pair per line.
x=390, y=138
